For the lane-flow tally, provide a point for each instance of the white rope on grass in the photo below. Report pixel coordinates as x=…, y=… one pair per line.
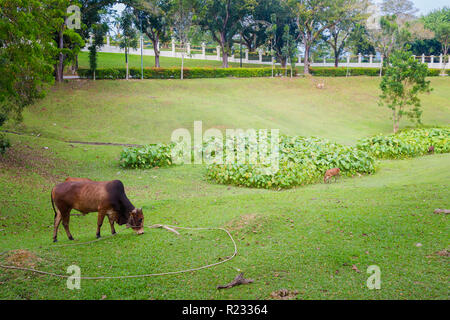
x=130, y=276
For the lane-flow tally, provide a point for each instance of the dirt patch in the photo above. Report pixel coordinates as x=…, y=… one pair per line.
x=284, y=294
x=23, y=258
x=22, y=158
x=443, y=253
x=247, y=222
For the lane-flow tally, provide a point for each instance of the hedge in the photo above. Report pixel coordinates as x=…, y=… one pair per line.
x=371, y=72
x=188, y=73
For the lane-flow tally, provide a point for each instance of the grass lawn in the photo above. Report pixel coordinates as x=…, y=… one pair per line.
x=111, y=60
x=309, y=239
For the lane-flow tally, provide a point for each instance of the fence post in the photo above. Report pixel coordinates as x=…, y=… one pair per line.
x=107, y=40
x=260, y=55
x=173, y=47
x=423, y=57
x=218, y=52
x=299, y=59
x=359, y=59
x=246, y=55
x=371, y=59
x=440, y=61
x=324, y=61
x=203, y=50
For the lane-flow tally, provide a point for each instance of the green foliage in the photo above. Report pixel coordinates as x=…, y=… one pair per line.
x=4, y=144
x=407, y=144
x=26, y=64
x=301, y=161
x=371, y=72
x=189, y=73
x=146, y=157
x=401, y=85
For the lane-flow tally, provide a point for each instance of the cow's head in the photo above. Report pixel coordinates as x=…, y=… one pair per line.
x=136, y=221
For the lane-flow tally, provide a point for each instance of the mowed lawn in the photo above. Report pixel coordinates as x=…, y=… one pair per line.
x=112, y=60
x=317, y=239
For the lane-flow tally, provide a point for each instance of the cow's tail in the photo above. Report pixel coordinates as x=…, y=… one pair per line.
x=53, y=203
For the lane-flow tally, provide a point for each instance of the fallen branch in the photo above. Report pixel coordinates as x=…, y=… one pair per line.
x=165, y=227
x=446, y=211
x=237, y=281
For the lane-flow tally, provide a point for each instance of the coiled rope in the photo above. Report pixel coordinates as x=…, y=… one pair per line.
x=129, y=276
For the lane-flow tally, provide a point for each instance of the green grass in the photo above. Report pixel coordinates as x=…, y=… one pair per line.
x=111, y=60
x=304, y=239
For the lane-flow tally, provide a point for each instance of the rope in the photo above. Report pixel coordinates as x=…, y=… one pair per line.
x=129, y=276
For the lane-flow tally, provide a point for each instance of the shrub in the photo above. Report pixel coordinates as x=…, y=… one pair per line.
x=371, y=72
x=188, y=73
x=301, y=161
x=146, y=157
x=4, y=144
x=407, y=143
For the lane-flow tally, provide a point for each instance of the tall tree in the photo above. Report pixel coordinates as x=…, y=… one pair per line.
x=438, y=21
x=98, y=31
x=315, y=16
x=223, y=19
x=26, y=54
x=128, y=37
x=398, y=8
x=155, y=16
x=182, y=17
x=338, y=35
x=404, y=80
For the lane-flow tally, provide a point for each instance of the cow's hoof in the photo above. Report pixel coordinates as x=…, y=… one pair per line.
x=98, y=236
x=70, y=238
x=114, y=233
x=55, y=240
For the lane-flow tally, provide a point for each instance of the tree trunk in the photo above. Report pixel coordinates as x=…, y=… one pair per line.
x=126, y=62
x=182, y=65
x=306, y=63
x=396, y=120
x=59, y=70
x=155, y=49
x=336, y=60
x=224, y=58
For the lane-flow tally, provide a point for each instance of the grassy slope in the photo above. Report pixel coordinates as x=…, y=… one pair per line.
x=106, y=110
x=304, y=239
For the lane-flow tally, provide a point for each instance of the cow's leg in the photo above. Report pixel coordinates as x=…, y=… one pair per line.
x=111, y=222
x=57, y=221
x=100, y=218
x=65, y=221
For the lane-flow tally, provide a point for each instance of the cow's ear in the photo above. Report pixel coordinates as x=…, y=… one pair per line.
x=140, y=210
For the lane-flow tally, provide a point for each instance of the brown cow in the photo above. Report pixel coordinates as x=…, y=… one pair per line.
x=77, y=179
x=108, y=198
x=330, y=173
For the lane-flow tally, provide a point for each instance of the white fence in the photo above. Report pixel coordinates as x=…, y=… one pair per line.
x=435, y=62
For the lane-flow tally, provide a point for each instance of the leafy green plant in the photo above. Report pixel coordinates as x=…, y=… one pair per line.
x=4, y=144
x=407, y=143
x=146, y=157
x=301, y=161
x=401, y=85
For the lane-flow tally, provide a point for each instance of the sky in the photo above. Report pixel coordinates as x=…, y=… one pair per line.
x=424, y=6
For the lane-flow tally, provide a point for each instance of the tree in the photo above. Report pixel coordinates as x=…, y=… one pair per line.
x=26, y=55
x=182, y=15
x=315, y=16
x=339, y=34
x=99, y=32
x=155, y=18
x=404, y=80
x=398, y=8
x=289, y=49
x=438, y=21
x=223, y=19
x=359, y=41
x=128, y=37
x=280, y=17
